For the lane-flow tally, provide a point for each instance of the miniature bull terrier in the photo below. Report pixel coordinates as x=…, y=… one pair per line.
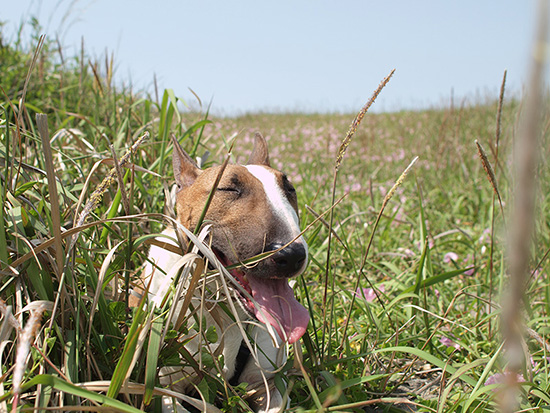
x=254, y=210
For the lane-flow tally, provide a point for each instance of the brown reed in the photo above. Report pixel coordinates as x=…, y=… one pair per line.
x=22, y=107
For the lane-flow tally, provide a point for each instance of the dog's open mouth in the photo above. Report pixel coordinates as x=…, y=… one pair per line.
x=273, y=303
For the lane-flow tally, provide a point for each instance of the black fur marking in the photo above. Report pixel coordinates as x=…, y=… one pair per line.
x=240, y=363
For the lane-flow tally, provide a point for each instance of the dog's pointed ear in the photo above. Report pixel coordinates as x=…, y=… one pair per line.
x=259, y=155
x=185, y=169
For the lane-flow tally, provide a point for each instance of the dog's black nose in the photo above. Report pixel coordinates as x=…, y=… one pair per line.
x=289, y=259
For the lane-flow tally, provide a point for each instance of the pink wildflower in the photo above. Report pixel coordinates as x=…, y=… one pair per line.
x=446, y=341
x=500, y=378
x=470, y=271
x=450, y=257
x=368, y=294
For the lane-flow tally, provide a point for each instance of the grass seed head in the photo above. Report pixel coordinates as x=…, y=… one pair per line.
x=96, y=196
x=488, y=170
x=358, y=119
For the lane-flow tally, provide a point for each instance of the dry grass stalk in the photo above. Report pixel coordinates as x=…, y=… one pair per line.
x=499, y=115
x=387, y=198
x=25, y=341
x=341, y=152
x=58, y=265
x=358, y=119
x=22, y=108
x=523, y=215
x=490, y=172
x=42, y=123
x=325, y=223
x=107, y=181
x=496, y=150
x=120, y=178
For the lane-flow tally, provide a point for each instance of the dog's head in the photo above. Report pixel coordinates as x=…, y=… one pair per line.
x=253, y=210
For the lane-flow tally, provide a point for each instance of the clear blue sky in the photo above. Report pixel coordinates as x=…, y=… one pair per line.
x=300, y=55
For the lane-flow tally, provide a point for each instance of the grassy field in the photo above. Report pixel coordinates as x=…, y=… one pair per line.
x=405, y=317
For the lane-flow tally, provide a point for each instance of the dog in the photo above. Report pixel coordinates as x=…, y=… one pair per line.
x=254, y=210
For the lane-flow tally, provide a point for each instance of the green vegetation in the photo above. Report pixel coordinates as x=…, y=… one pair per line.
x=412, y=320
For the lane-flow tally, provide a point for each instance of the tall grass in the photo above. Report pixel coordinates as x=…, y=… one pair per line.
x=417, y=269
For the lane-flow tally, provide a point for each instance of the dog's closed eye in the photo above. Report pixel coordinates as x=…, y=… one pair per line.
x=230, y=189
x=233, y=186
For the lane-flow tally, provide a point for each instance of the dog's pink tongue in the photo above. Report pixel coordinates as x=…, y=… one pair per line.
x=279, y=308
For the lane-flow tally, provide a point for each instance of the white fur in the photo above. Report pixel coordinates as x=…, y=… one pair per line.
x=279, y=202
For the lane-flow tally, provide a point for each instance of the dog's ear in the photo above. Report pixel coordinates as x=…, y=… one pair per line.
x=185, y=169
x=259, y=155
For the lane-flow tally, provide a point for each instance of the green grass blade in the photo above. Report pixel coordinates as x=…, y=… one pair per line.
x=451, y=381
x=42, y=121
x=346, y=384
x=113, y=210
x=63, y=386
x=420, y=271
x=126, y=358
x=152, y=359
x=430, y=359
x=436, y=279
